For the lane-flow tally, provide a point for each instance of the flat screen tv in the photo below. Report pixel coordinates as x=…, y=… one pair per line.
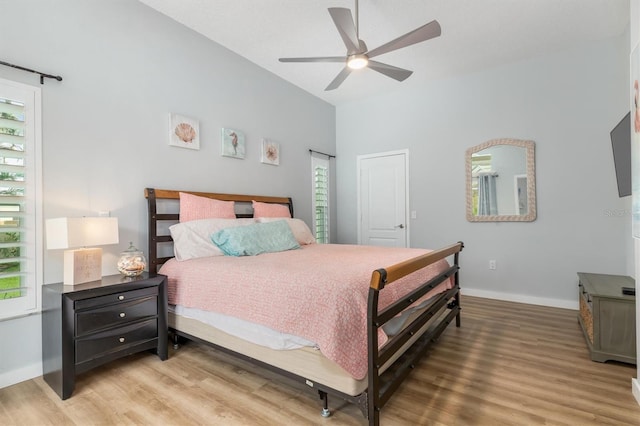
x=621, y=143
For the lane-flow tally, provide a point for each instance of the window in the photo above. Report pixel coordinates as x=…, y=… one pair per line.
x=320, y=178
x=20, y=216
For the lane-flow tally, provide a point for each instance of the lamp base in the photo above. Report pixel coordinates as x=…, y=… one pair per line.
x=82, y=265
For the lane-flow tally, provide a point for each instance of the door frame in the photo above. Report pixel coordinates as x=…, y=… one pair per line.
x=359, y=159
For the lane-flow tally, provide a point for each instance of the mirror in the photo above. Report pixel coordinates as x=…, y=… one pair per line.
x=501, y=181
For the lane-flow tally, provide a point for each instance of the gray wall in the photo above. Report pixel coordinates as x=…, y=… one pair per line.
x=567, y=102
x=105, y=126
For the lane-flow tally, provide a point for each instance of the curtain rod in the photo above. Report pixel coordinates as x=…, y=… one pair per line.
x=311, y=151
x=42, y=74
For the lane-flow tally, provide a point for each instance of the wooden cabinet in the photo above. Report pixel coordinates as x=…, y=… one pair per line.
x=608, y=317
x=87, y=325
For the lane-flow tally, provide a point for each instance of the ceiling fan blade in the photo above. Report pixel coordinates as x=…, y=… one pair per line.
x=339, y=79
x=317, y=59
x=425, y=32
x=396, y=73
x=344, y=22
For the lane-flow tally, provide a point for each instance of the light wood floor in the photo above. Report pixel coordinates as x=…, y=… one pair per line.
x=509, y=364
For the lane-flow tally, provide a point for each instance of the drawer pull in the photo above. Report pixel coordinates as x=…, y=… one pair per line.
x=121, y=340
x=122, y=315
x=121, y=297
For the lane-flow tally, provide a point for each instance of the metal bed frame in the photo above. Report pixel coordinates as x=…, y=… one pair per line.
x=387, y=366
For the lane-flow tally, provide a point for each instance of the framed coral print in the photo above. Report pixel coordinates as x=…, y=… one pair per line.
x=270, y=152
x=184, y=132
x=232, y=143
x=635, y=139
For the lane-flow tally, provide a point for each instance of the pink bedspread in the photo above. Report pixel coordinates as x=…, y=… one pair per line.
x=318, y=292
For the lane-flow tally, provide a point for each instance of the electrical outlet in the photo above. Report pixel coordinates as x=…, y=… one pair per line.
x=492, y=264
x=104, y=213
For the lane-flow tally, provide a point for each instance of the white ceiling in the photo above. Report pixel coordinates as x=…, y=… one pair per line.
x=476, y=34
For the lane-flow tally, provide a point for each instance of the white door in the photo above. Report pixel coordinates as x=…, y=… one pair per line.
x=383, y=199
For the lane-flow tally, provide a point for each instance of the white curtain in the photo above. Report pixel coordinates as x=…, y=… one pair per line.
x=487, y=201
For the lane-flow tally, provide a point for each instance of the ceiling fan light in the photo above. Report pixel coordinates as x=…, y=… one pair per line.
x=357, y=62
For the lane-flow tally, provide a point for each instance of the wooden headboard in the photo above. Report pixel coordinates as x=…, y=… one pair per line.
x=160, y=221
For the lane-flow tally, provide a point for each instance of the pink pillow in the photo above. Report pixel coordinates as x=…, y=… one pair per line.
x=193, y=207
x=270, y=210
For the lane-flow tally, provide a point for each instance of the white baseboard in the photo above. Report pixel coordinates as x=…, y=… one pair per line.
x=521, y=298
x=20, y=375
x=635, y=388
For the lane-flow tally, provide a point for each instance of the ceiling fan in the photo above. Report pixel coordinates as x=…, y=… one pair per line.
x=358, y=56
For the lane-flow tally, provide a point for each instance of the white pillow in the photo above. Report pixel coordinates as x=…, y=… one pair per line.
x=300, y=229
x=193, y=239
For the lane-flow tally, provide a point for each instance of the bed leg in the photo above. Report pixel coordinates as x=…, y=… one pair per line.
x=176, y=341
x=458, y=303
x=325, y=402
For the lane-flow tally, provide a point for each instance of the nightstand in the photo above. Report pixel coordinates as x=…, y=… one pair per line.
x=90, y=324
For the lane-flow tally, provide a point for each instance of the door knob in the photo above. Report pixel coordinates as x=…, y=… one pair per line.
x=401, y=226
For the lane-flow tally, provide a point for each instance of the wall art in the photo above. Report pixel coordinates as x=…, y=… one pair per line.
x=184, y=132
x=270, y=152
x=233, y=144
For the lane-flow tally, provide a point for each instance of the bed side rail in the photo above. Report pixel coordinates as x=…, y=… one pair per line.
x=383, y=384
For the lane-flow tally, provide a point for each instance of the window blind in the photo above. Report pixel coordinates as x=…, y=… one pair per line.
x=19, y=152
x=321, y=200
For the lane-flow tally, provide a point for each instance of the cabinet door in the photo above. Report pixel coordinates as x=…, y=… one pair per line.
x=617, y=323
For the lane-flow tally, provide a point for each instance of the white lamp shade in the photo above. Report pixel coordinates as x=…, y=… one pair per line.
x=70, y=232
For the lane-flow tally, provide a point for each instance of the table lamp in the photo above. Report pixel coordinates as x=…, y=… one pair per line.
x=82, y=263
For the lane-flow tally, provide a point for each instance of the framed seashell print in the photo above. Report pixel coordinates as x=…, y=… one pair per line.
x=232, y=143
x=270, y=152
x=184, y=132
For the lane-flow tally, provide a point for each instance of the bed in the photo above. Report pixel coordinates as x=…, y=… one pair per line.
x=344, y=320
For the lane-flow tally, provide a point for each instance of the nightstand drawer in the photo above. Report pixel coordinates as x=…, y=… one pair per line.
x=121, y=313
x=115, y=340
x=122, y=296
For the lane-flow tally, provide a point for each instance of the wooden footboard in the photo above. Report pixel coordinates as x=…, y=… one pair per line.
x=387, y=366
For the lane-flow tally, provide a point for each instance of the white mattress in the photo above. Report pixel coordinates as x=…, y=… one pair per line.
x=252, y=332
x=306, y=361
x=268, y=337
